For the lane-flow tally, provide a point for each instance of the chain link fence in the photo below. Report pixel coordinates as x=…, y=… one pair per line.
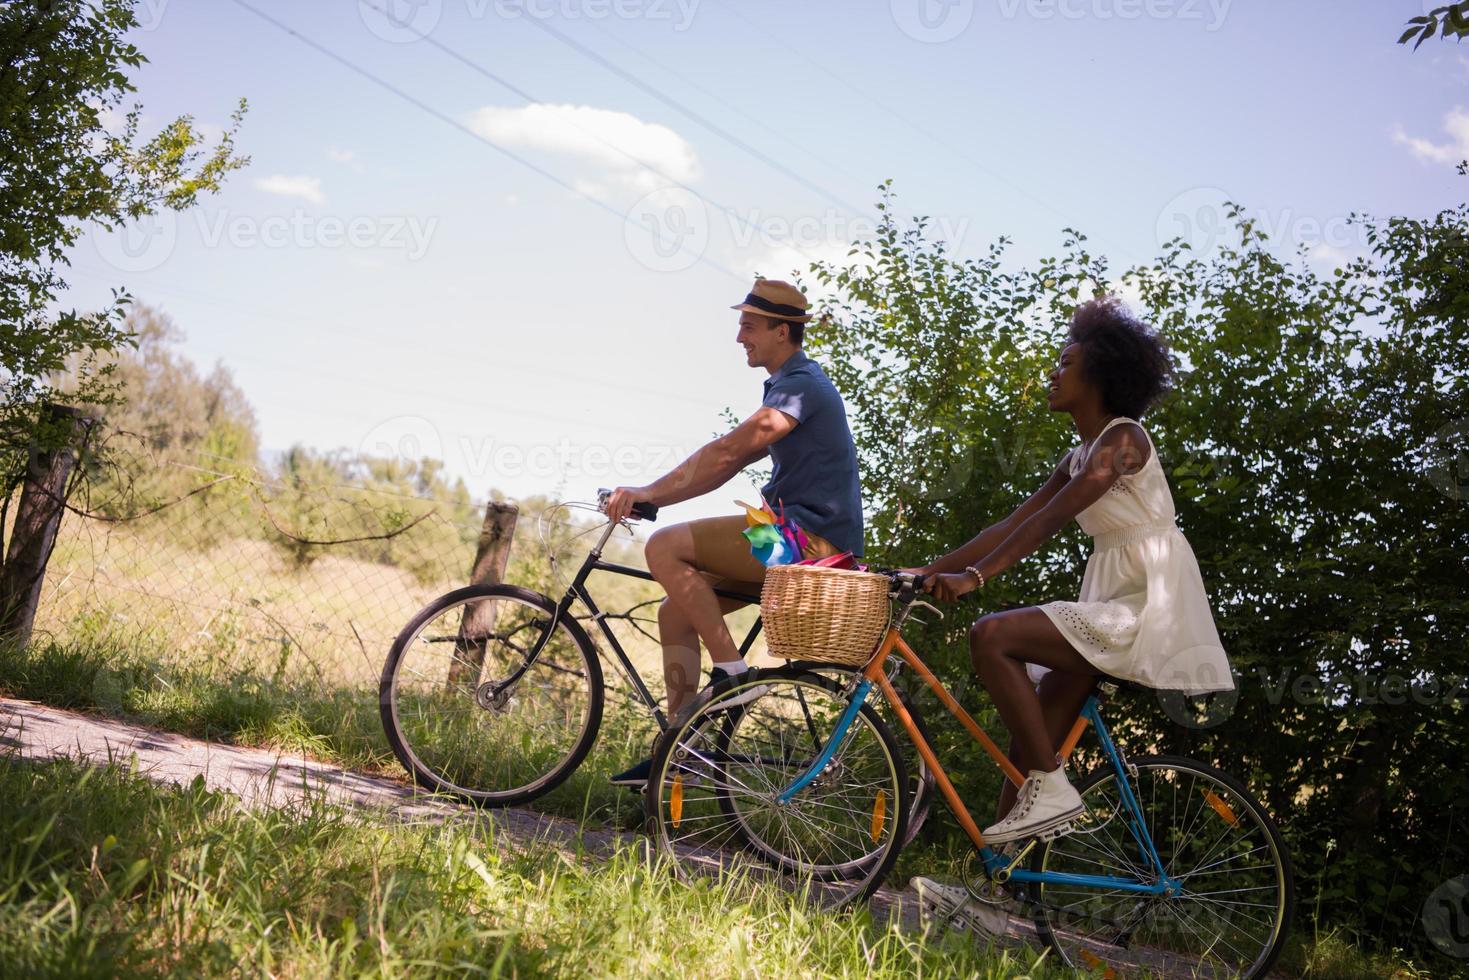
x=197, y=564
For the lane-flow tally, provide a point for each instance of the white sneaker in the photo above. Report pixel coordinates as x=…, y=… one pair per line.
x=952, y=904
x=1044, y=807
x=718, y=675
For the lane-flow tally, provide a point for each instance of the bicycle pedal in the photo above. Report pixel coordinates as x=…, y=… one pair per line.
x=1060, y=830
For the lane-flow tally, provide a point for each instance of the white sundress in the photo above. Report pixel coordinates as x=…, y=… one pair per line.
x=1143, y=615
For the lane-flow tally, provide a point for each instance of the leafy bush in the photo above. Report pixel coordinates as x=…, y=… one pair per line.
x=1309, y=448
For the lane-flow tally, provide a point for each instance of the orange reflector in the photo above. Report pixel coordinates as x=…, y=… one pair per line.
x=1092, y=961
x=879, y=813
x=675, y=800
x=1221, y=808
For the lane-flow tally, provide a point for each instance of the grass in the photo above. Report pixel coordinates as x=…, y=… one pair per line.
x=219, y=639
x=103, y=873
x=340, y=726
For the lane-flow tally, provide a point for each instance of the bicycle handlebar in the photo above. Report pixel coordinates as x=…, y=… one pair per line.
x=642, y=511
x=906, y=585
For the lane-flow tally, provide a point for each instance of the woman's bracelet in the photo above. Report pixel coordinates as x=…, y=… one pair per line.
x=978, y=575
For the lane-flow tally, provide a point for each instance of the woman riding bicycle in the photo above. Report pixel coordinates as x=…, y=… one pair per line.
x=1143, y=615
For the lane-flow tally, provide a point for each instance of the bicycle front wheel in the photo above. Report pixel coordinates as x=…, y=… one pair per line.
x=482, y=698
x=713, y=799
x=1236, y=897
x=921, y=787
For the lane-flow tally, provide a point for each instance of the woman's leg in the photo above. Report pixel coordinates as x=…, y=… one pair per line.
x=1062, y=695
x=1000, y=645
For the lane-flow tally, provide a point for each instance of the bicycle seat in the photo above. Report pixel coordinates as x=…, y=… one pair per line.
x=1120, y=686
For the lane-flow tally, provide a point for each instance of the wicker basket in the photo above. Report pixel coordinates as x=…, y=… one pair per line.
x=830, y=615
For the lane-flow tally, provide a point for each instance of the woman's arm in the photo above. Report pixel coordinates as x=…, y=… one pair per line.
x=988, y=539
x=1121, y=451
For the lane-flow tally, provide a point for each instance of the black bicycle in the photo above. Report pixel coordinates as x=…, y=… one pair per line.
x=494, y=693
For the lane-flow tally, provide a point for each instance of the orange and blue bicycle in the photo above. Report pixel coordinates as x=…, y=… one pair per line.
x=1173, y=866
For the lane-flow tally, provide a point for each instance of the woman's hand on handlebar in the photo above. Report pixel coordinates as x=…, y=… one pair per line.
x=950, y=586
x=622, y=501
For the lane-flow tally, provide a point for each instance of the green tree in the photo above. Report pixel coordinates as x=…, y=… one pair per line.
x=1450, y=20
x=1315, y=448
x=63, y=72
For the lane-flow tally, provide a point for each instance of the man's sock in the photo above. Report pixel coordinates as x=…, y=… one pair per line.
x=734, y=668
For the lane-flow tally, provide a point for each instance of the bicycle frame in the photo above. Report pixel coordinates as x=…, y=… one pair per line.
x=577, y=592
x=997, y=866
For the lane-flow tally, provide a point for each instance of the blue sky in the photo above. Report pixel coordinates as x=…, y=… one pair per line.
x=383, y=277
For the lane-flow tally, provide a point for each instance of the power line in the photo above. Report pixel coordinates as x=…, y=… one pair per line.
x=908, y=121
x=748, y=117
x=520, y=92
x=679, y=107
x=449, y=120
x=289, y=367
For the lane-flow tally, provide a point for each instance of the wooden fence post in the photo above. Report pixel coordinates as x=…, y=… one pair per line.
x=37, y=517
x=478, y=618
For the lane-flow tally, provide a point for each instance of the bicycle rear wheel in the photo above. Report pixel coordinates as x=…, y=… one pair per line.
x=460, y=719
x=716, y=775
x=1237, y=891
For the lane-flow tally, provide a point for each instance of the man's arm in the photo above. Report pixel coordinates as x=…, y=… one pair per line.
x=709, y=467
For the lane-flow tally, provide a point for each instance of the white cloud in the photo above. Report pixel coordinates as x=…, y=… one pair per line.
x=617, y=142
x=341, y=156
x=782, y=260
x=1455, y=125
x=292, y=186
x=1330, y=256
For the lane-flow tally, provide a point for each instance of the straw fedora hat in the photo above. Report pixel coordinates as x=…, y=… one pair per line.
x=774, y=298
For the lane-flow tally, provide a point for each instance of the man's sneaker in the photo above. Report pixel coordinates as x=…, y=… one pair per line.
x=1044, y=807
x=636, y=777
x=953, y=905
x=718, y=675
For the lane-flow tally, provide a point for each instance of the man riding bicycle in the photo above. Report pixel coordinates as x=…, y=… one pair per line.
x=802, y=426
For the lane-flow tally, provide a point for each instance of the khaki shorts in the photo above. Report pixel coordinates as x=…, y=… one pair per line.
x=722, y=553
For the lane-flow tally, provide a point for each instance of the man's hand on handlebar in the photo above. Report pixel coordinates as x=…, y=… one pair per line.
x=622, y=501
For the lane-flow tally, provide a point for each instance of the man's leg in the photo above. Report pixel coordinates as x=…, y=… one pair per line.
x=681, y=649
x=677, y=555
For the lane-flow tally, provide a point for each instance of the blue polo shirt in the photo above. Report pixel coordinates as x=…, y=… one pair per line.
x=815, y=471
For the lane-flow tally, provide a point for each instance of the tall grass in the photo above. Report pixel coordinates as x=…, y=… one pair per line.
x=105, y=874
